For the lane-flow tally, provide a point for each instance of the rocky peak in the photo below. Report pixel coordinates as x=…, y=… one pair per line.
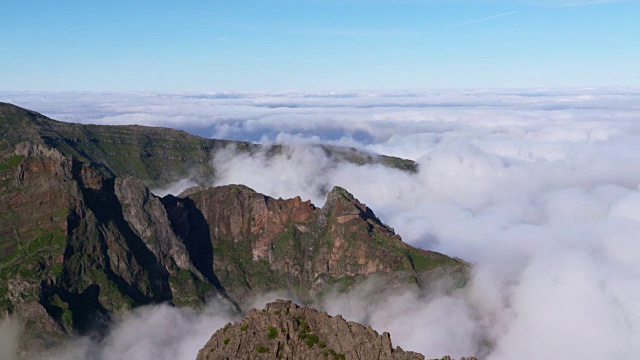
x=338, y=196
x=42, y=159
x=148, y=217
x=238, y=212
x=343, y=206
x=284, y=330
x=262, y=244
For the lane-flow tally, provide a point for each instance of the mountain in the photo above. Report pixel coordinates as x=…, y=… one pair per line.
x=78, y=245
x=157, y=156
x=284, y=330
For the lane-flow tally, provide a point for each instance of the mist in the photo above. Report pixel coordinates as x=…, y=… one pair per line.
x=10, y=330
x=149, y=332
x=553, y=244
x=537, y=189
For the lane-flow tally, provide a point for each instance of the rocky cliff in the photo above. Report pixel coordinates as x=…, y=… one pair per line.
x=76, y=246
x=283, y=330
x=262, y=244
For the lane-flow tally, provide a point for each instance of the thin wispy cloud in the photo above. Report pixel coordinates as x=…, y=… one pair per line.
x=591, y=3
x=478, y=20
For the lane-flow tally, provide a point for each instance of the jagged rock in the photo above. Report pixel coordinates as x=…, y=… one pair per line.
x=261, y=244
x=283, y=330
x=148, y=217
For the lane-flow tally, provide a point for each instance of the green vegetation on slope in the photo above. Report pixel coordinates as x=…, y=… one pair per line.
x=155, y=155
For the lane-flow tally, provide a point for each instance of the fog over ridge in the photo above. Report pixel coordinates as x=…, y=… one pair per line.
x=538, y=189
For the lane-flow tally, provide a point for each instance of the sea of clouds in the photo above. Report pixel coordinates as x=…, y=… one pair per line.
x=537, y=188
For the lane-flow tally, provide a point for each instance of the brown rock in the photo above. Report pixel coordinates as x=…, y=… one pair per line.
x=284, y=330
x=263, y=244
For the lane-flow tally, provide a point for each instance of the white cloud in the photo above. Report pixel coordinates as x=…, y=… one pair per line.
x=10, y=330
x=487, y=18
x=151, y=332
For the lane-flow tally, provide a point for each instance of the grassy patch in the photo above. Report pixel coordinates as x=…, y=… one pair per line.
x=334, y=355
x=311, y=339
x=11, y=162
x=424, y=262
x=272, y=332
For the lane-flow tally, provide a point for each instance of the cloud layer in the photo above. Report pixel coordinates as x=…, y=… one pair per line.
x=539, y=189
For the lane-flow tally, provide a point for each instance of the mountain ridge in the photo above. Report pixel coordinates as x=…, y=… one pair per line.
x=158, y=156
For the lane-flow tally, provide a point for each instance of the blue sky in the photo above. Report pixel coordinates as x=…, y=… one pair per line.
x=206, y=45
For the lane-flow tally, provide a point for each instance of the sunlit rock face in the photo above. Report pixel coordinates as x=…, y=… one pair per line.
x=283, y=330
x=261, y=244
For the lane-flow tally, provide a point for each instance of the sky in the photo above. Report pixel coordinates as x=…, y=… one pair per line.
x=207, y=45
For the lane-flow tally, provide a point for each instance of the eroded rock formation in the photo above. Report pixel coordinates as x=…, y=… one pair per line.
x=283, y=330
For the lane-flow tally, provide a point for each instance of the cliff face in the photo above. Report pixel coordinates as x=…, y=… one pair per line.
x=75, y=246
x=262, y=244
x=284, y=330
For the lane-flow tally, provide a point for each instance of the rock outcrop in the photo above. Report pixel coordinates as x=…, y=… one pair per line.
x=283, y=330
x=261, y=244
x=76, y=247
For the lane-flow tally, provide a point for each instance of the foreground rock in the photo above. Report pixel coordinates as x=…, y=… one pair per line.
x=284, y=330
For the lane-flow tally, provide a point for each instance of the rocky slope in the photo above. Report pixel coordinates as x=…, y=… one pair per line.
x=267, y=244
x=157, y=156
x=283, y=330
x=77, y=246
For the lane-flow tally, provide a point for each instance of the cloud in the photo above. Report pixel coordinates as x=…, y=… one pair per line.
x=588, y=3
x=538, y=188
x=479, y=20
x=10, y=330
x=150, y=332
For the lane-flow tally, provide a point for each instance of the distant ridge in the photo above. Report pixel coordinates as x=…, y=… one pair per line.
x=155, y=155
